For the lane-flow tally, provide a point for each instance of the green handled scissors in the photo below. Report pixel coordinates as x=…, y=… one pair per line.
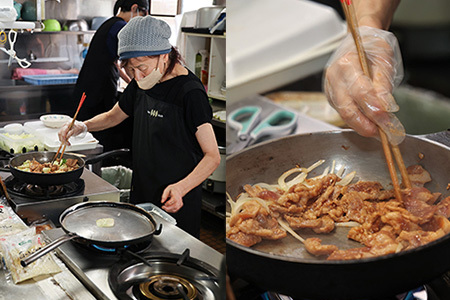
x=247, y=121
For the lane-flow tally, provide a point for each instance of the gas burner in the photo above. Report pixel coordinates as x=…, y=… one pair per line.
x=134, y=248
x=160, y=287
x=164, y=276
x=46, y=191
x=21, y=189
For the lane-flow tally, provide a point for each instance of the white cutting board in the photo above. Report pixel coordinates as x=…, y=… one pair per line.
x=49, y=137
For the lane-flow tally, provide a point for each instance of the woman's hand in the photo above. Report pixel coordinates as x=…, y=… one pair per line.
x=172, y=198
x=367, y=103
x=78, y=128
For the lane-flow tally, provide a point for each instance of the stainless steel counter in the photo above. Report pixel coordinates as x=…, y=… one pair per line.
x=92, y=270
x=85, y=277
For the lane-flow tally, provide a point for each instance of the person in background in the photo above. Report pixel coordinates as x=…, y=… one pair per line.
x=174, y=145
x=367, y=103
x=99, y=73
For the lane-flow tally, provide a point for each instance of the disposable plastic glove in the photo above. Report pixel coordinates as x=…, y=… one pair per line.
x=361, y=101
x=79, y=129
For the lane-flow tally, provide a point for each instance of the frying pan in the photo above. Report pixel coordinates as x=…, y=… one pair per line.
x=54, y=178
x=284, y=266
x=132, y=225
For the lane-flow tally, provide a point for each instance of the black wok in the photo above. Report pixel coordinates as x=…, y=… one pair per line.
x=132, y=225
x=285, y=267
x=54, y=178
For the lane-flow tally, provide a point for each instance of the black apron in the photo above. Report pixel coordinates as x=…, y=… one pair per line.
x=163, y=154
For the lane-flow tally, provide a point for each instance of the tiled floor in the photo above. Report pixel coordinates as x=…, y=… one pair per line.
x=212, y=231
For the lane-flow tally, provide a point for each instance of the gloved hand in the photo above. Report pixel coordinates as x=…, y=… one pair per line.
x=361, y=101
x=78, y=129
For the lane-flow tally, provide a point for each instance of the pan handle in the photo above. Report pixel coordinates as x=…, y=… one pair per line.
x=159, y=230
x=100, y=157
x=53, y=245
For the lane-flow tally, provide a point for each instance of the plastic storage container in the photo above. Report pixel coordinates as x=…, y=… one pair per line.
x=50, y=79
x=20, y=143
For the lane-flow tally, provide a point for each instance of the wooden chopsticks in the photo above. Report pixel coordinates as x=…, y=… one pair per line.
x=70, y=127
x=352, y=23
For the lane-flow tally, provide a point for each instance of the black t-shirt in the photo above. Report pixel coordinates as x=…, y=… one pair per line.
x=99, y=75
x=195, y=103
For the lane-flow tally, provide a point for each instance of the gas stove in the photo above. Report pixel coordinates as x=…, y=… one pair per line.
x=176, y=261
x=34, y=203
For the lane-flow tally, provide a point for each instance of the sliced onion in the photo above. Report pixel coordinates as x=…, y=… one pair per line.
x=282, y=178
x=347, y=224
x=286, y=227
x=298, y=179
x=340, y=171
x=347, y=179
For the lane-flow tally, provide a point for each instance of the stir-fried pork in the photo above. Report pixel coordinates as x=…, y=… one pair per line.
x=386, y=225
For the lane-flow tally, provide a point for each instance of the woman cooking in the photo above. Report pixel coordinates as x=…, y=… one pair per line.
x=174, y=146
x=99, y=74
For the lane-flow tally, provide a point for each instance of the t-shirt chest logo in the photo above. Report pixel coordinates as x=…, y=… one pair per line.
x=154, y=113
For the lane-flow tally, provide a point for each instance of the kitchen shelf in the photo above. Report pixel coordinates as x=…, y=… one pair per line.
x=17, y=25
x=215, y=45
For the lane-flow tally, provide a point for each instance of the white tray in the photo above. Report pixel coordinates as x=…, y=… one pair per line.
x=269, y=37
x=49, y=137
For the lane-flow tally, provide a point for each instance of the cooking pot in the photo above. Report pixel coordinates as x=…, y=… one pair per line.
x=75, y=25
x=284, y=266
x=216, y=181
x=132, y=225
x=207, y=16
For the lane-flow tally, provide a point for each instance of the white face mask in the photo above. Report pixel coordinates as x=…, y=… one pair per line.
x=151, y=79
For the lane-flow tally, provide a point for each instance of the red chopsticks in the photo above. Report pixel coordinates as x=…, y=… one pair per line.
x=70, y=127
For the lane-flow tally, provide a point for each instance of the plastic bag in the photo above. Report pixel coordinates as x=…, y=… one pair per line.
x=10, y=223
x=18, y=246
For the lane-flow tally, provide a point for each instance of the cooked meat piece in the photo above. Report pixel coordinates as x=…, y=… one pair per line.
x=418, y=175
x=422, y=194
x=370, y=190
x=315, y=247
x=399, y=222
x=436, y=223
x=71, y=162
x=249, y=210
x=251, y=226
x=301, y=193
x=355, y=208
x=253, y=191
x=254, y=220
x=259, y=192
x=444, y=207
x=354, y=253
x=247, y=240
x=379, y=243
x=321, y=225
x=415, y=201
x=413, y=239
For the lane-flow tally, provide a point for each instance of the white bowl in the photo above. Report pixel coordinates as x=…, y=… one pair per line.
x=55, y=121
x=14, y=128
